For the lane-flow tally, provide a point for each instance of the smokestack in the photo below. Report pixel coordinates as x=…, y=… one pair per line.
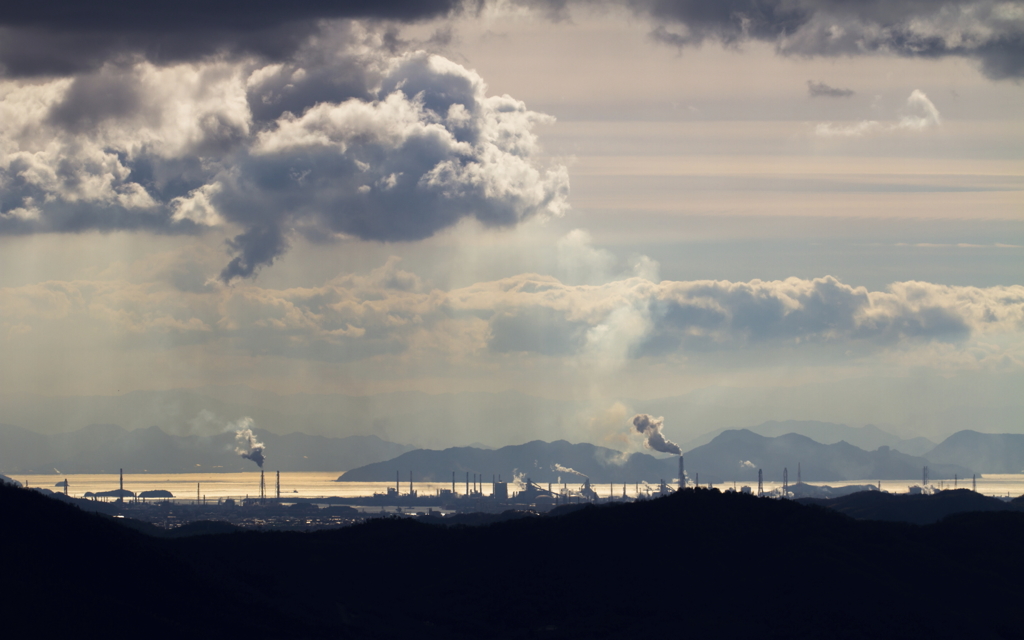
x=467, y=483
x=682, y=474
x=197, y=493
x=278, y=486
x=66, y=485
x=650, y=427
x=760, y=483
x=453, y=483
x=121, y=473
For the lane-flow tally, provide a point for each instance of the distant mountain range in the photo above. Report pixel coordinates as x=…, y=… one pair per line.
x=437, y=421
x=105, y=448
x=734, y=455
x=541, y=462
x=868, y=437
x=987, y=452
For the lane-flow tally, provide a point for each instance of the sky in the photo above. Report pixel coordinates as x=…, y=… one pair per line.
x=782, y=209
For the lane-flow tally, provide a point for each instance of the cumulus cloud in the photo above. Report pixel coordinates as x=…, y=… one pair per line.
x=345, y=138
x=919, y=113
x=390, y=311
x=716, y=315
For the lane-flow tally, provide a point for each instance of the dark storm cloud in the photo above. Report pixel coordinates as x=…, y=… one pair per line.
x=822, y=90
x=729, y=21
x=343, y=139
x=987, y=30
x=435, y=150
x=64, y=37
x=257, y=246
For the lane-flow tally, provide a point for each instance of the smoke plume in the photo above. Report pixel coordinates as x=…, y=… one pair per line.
x=559, y=468
x=650, y=427
x=248, y=446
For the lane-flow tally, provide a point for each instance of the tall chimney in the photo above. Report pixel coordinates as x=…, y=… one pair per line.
x=410, y=483
x=467, y=483
x=453, y=483
x=682, y=474
x=278, y=486
x=121, y=471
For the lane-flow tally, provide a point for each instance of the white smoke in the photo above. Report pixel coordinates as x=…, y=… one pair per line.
x=518, y=479
x=247, y=444
x=562, y=469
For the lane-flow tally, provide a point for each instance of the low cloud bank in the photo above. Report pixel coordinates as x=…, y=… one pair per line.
x=391, y=311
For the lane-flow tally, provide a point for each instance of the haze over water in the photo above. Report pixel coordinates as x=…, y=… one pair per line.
x=311, y=485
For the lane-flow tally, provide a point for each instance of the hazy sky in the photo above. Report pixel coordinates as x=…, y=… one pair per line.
x=606, y=202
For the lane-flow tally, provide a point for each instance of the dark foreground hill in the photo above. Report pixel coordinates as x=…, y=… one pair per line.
x=696, y=564
x=917, y=509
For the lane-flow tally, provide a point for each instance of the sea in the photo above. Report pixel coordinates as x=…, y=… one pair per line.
x=308, y=486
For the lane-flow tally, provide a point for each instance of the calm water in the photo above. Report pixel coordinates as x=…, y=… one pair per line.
x=304, y=485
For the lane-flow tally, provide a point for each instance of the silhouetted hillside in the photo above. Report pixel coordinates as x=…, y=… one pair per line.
x=738, y=454
x=985, y=452
x=69, y=572
x=916, y=509
x=105, y=448
x=696, y=564
x=541, y=461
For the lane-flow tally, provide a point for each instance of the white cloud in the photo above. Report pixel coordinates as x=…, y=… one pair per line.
x=392, y=313
x=919, y=114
